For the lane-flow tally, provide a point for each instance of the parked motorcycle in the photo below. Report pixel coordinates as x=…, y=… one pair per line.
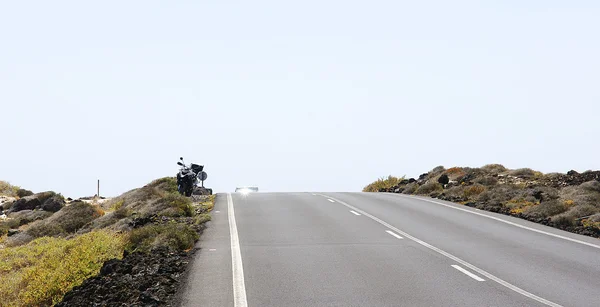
x=187, y=178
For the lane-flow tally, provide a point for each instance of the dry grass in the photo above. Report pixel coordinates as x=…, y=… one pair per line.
x=7, y=189
x=383, y=184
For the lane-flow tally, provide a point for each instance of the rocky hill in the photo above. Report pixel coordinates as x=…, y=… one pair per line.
x=139, y=243
x=568, y=201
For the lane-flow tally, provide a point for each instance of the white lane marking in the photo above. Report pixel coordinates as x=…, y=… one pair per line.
x=477, y=278
x=331, y=200
x=314, y=194
x=212, y=250
x=354, y=212
x=218, y=211
x=507, y=222
x=464, y=263
x=239, y=287
x=393, y=234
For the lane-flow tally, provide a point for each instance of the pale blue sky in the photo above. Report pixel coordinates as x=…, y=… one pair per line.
x=293, y=95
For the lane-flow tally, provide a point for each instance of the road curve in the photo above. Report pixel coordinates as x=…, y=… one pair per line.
x=372, y=249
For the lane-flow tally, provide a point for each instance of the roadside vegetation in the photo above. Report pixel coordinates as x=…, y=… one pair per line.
x=567, y=201
x=49, y=245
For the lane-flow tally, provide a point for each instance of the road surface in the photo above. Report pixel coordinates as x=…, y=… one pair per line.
x=378, y=249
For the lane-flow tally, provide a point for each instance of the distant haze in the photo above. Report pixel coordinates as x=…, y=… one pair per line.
x=293, y=95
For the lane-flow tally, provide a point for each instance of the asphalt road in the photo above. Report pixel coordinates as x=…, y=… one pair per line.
x=365, y=249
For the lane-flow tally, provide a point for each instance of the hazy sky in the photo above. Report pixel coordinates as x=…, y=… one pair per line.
x=293, y=95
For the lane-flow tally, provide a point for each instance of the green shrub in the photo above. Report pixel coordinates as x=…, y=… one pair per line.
x=41, y=272
x=410, y=188
x=429, y=188
x=66, y=221
x=499, y=194
x=455, y=191
x=546, y=209
x=590, y=186
x=473, y=191
x=580, y=211
x=167, y=184
x=494, y=168
x=23, y=193
x=176, y=205
x=4, y=229
x=11, y=223
x=177, y=236
x=25, y=217
x=43, y=229
x=583, y=194
x=563, y=220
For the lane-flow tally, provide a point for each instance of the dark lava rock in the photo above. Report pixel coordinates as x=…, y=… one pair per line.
x=53, y=204
x=12, y=232
x=411, y=180
x=202, y=191
x=26, y=203
x=138, y=279
x=443, y=179
x=572, y=178
x=422, y=178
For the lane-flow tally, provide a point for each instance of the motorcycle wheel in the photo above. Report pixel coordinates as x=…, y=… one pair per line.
x=181, y=189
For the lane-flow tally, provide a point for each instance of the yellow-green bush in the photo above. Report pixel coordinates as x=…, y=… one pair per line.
x=202, y=218
x=41, y=272
x=383, y=184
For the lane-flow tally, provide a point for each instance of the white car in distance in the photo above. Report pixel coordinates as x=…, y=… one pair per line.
x=246, y=190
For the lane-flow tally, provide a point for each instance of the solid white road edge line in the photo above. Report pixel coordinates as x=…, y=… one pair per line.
x=393, y=234
x=239, y=287
x=331, y=200
x=354, y=212
x=505, y=221
x=464, y=263
x=477, y=278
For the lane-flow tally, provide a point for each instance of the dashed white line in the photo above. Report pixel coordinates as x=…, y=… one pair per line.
x=394, y=234
x=448, y=255
x=333, y=201
x=354, y=212
x=477, y=278
x=239, y=287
